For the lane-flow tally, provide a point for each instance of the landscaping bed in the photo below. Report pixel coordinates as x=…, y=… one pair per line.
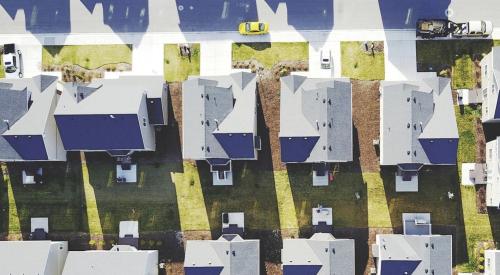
x=363, y=60
x=458, y=59
x=177, y=66
x=277, y=58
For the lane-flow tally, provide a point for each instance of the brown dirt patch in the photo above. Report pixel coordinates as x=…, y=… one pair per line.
x=175, y=92
x=273, y=268
x=366, y=117
x=269, y=122
x=480, y=142
x=175, y=268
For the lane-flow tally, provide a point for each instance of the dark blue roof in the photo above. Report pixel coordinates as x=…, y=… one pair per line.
x=301, y=269
x=100, y=132
x=237, y=145
x=440, y=150
x=396, y=267
x=155, y=111
x=205, y=270
x=28, y=147
x=297, y=149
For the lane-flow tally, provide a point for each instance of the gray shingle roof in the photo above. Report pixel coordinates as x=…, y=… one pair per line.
x=318, y=108
x=434, y=251
x=336, y=256
x=411, y=111
x=216, y=104
x=236, y=255
x=14, y=97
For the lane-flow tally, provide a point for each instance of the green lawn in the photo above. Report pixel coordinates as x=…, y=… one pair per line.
x=2, y=71
x=438, y=55
x=177, y=67
x=358, y=64
x=269, y=54
x=253, y=192
x=496, y=43
x=151, y=201
x=87, y=56
x=58, y=198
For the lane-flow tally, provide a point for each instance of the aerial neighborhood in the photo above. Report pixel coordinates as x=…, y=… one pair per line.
x=248, y=137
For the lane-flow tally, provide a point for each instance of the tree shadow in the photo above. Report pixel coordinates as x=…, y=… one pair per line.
x=215, y=15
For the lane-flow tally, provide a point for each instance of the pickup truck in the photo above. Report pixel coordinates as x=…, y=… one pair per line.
x=12, y=61
x=430, y=28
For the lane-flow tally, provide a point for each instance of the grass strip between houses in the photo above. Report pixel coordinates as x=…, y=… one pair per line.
x=94, y=222
x=191, y=203
x=14, y=222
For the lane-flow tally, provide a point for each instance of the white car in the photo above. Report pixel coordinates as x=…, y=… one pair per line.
x=12, y=61
x=326, y=59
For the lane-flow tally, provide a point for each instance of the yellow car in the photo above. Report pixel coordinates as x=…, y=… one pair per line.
x=253, y=28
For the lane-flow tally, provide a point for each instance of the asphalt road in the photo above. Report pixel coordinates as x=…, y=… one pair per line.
x=88, y=16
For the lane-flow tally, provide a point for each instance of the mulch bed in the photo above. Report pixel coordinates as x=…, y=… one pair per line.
x=480, y=142
x=366, y=119
x=481, y=199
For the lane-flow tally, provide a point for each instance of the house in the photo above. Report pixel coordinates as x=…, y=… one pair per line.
x=219, y=122
x=117, y=116
x=490, y=84
x=417, y=127
x=121, y=259
x=417, y=252
x=492, y=262
x=493, y=173
x=28, y=130
x=316, y=123
x=32, y=257
x=322, y=254
x=228, y=255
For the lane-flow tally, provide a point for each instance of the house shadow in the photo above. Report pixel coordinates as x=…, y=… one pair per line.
x=346, y=195
x=303, y=15
x=494, y=217
x=435, y=185
x=152, y=200
x=397, y=14
x=214, y=15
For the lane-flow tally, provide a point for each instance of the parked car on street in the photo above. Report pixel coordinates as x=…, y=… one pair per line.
x=12, y=61
x=473, y=29
x=326, y=59
x=430, y=28
x=251, y=28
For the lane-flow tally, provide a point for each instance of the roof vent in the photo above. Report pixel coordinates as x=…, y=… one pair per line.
x=408, y=152
x=234, y=253
x=414, y=100
x=324, y=147
x=329, y=102
x=408, y=125
x=326, y=250
x=208, y=97
x=407, y=99
x=415, y=153
x=324, y=100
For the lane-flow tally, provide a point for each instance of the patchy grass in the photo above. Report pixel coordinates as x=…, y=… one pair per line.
x=253, y=193
x=284, y=197
x=457, y=55
x=191, y=203
x=269, y=54
x=477, y=226
x=378, y=210
x=358, y=64
x=496, y=43
x=2, y=69
x=340, y=195
x=87, y=56
x=177, y=67
x=463, y=73
x=151, y=201
x=58, y=198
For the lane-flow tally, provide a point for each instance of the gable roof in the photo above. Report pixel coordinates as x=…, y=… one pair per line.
x=31, y=257
x=230, y=252
x=25, y=119
x=109, y=96
x=320, y=109
x=121, y=259
x=415, y=254
x=216, y=105
x=411, y=112
x=321, y=253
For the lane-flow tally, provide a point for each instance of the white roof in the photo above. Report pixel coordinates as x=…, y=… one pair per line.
x=120, y=260
x=27, y=257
